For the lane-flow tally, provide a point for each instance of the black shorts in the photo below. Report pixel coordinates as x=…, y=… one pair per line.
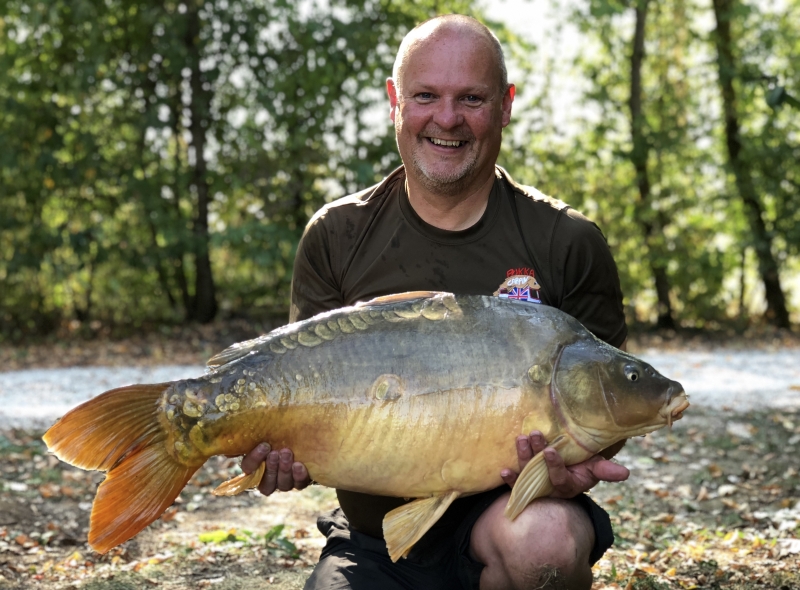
x=351, y=559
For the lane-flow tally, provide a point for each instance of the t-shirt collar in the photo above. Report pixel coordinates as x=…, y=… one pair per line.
x=474, y=232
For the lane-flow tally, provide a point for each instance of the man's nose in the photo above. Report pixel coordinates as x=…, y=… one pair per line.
x=448, y=115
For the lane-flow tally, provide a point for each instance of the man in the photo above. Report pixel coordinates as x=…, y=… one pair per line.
x=450, y=220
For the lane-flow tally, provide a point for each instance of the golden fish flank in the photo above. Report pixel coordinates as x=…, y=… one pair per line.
x=386, y=389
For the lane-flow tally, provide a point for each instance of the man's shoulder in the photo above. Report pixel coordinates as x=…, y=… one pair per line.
x=531, y=194
x=540, y=203
x=360, y=202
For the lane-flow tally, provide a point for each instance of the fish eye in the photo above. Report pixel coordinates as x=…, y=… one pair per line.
x=632, y=373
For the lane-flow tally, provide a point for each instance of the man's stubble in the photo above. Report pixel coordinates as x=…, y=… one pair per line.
x=451, y=182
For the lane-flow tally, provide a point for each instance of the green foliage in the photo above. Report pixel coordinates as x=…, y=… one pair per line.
x=120, y=119
x=274, y=539
x=129, y=126
x=701, y=227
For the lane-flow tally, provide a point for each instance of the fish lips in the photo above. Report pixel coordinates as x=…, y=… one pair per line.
x=677, y=404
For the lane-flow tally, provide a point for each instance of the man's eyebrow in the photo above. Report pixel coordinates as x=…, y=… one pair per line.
x=423, y=87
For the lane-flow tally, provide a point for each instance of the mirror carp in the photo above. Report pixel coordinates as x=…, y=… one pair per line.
x=418, y=395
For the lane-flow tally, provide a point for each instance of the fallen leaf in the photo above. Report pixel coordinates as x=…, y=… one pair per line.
x=732, y=504
x=70, y=491
x=24, y=540
x=170, y=514
x=49, y=490
x=788, y=547
x=740, y=429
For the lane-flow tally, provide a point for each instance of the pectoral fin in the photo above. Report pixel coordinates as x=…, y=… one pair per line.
x=404, y=526
x=240, y=483
x=533, y=482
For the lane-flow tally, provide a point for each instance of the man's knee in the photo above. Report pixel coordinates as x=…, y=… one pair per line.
x=546, y=546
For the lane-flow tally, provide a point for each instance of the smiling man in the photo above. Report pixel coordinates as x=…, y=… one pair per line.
x=449, y=219
x=449, y=102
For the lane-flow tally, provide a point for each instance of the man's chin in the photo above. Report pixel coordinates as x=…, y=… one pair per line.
x=450, y=182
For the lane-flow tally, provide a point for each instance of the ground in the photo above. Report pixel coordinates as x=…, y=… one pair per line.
x=713, y=503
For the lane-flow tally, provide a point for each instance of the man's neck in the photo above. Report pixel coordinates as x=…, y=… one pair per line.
x=450, y=212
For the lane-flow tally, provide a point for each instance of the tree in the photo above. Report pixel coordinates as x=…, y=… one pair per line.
x=651, y=222
x=777, y=313
x=636, y=164
x=161, y=158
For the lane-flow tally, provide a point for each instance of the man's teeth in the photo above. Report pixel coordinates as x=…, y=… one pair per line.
x=445, y=142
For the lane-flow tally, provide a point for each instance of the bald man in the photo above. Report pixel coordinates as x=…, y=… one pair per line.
x=450, y=220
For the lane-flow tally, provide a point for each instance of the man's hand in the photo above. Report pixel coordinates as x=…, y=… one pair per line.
x=568, y=481
x=283, y=472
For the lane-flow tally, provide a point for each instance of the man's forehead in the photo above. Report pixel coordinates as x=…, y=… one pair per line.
x=448, y=28
x=446, y=55
x=452, y=47
x=446, y=36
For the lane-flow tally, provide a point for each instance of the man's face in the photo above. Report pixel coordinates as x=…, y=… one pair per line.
x=450, y=112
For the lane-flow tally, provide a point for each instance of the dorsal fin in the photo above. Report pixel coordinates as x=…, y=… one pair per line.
x=242, y=349
x=235, y=352
x=399, y=298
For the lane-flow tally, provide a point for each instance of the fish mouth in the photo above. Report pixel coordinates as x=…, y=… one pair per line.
x=675, y=408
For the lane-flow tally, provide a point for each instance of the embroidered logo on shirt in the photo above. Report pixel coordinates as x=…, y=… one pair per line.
x=521, y=285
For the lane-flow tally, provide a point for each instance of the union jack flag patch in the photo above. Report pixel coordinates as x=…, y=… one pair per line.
x=520, y=288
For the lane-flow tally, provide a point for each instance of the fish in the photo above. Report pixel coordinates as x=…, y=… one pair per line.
x=416, y=395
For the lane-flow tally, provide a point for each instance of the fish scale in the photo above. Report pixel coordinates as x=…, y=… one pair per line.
x=417, y=395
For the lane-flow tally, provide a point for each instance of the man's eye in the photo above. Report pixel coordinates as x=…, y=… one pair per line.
x=424, y=96
x=472, y=99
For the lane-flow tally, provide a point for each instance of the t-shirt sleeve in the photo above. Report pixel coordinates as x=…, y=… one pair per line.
x=315, y=288
x=591, y=291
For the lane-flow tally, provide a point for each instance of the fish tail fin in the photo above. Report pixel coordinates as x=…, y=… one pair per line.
x=119, y=432
x=134, y=494
x=98, y=433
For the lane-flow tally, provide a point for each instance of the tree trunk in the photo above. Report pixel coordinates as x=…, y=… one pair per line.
x=742, y=285
x=639, y=156
x=205, y=300
x=178, y=252
x=777, y=313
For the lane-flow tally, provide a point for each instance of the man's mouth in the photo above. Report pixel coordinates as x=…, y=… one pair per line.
x=451, y=143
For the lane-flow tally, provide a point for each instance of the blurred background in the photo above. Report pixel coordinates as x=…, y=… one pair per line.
x=159, y=160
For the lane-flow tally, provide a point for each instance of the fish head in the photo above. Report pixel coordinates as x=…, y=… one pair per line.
x=610, y=394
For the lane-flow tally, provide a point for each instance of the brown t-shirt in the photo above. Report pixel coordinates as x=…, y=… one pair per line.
x=373, y=243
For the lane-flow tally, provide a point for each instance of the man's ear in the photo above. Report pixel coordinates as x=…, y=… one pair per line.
x=508, y=99
x=391, y=90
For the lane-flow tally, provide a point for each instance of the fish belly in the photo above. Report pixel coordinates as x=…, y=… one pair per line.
x=455, y=440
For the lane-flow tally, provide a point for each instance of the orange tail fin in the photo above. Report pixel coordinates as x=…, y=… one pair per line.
x=119, y=432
